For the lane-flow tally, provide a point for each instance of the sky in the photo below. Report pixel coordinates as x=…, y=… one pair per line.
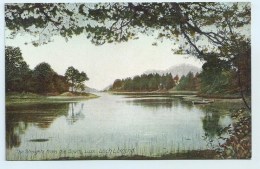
x=102, y=64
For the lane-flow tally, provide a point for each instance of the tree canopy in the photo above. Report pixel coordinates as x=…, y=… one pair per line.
x=42, y=79
x=76, y=78
x=43, y=75
x=145, y=82
x=17, y=70
x=189, y=82
x=217, y=23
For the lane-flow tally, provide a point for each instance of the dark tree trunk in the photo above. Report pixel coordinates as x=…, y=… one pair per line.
x=241, y=89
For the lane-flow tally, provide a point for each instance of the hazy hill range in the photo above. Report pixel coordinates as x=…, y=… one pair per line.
x=179, y=70
x=90, y=90
x=108, y=87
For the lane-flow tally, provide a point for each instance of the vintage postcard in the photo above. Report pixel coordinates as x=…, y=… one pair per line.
x=128, y=81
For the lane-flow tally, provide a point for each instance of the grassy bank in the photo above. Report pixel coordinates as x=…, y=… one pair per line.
x=27, y=98
x=194, y=154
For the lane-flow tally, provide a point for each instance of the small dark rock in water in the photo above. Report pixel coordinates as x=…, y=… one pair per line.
x=39, y=140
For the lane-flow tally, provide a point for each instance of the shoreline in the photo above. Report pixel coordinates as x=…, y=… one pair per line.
x=194, y=94
x=32, y=98
x=154, y=92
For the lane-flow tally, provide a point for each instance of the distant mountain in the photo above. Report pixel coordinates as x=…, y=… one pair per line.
x=179, y=70
x=90, y=90
x=107, y=88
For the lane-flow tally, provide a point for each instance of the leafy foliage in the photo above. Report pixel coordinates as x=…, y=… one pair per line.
x=239, y=144
x=150, y=82
x=188, y=82
x=76, y=78
x=17, y=71
x=60, y=83
x=184, y=22
x=42, y=79
x=43, y=75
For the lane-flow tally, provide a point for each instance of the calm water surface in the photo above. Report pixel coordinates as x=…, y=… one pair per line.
x=112, y=125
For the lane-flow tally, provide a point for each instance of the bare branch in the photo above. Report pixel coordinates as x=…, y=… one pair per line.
x=189, y=40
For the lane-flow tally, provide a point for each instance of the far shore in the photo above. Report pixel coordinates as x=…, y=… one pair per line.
x=155, y=92
x=179, y=93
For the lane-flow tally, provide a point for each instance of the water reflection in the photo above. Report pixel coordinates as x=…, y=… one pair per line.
x=13, y=133
x=152, y=126
x=153, y=103
x=75, y=113
x=216, y=119
x=212, y=123
x=156, y=101
x=20, y=117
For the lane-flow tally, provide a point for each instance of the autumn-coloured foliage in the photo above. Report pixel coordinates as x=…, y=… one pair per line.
x=238, y=146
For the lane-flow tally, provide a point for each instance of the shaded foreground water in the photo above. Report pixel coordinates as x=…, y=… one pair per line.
x=114, y=126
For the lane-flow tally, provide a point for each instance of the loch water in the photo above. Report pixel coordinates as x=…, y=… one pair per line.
x=113, y=126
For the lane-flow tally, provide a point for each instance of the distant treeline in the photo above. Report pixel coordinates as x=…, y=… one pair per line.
x=150, y=82
x=214, y=80
x=154, y=82
x=42, y=79
x=189, y=82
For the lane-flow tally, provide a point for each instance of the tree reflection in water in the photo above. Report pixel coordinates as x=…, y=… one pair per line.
x=214, y=124
x=159, y=102
x=211, y=124
x=74, y=113
x=213, y=121
x=13, y=132
x=20, y=117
